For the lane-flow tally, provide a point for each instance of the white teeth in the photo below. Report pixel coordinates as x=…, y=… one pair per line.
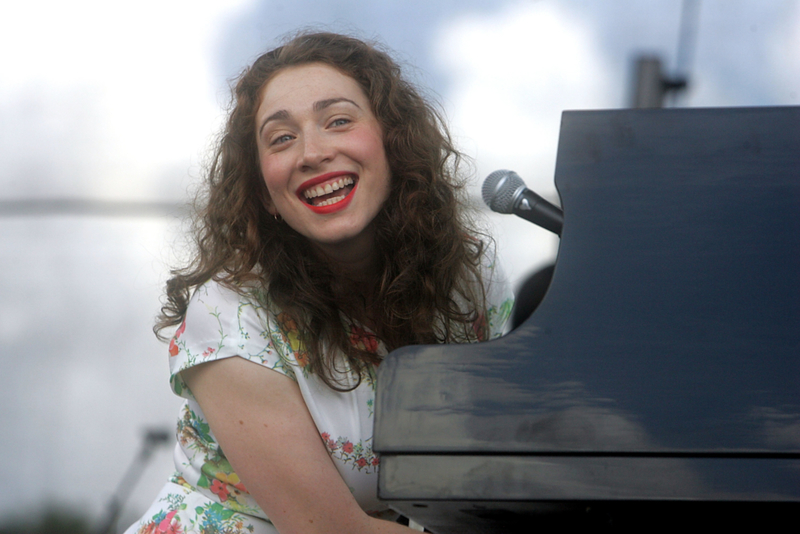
x=333, y=200
x=327, y=189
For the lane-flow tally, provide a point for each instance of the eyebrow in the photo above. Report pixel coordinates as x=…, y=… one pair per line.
x=322, y=104
x=278, y=115
x=318, y=106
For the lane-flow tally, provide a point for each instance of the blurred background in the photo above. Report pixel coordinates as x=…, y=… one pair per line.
x=107, y=113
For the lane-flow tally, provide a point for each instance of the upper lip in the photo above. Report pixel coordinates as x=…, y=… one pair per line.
x=313, y=182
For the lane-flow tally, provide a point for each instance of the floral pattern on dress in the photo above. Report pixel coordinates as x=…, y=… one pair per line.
x=205, y=495
x=214, y=518
x=219, y=478
x=173, y=344
x=497, y=317
x=176, y=517
x=479, y=328
x=293, y=336
x=216, y=475
x=362, y=339
x=357, y=455
x=162, y=523
x=194, y=432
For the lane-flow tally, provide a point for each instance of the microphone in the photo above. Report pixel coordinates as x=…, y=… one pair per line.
x=505, y=192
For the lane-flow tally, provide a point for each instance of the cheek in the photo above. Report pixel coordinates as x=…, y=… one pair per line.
x=271, y=174
x=372, y=150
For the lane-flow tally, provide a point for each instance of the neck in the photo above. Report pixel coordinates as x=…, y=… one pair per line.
x=356, y=268
x=355, y=260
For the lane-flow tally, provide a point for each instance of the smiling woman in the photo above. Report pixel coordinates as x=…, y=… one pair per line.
x=322, y=158
x=331, y=232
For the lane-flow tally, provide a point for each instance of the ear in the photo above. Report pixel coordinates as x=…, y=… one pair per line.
x=266, y=201
x=270, y=207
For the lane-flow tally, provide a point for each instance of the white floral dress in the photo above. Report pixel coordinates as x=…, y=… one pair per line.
x=205, y=495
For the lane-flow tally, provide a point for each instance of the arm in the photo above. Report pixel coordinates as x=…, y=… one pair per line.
x=261, y=421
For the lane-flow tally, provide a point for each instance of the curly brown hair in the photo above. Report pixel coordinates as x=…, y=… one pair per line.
x=429, y=289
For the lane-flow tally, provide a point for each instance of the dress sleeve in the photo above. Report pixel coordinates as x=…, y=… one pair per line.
x=221, y=323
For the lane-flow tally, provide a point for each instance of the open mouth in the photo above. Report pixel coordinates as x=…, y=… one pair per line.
x=328, y=193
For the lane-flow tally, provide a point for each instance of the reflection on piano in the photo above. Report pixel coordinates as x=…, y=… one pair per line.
x=659, y=379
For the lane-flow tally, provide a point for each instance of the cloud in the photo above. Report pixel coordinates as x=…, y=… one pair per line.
x=512, y=73
x=747, y=54
x=103, y=98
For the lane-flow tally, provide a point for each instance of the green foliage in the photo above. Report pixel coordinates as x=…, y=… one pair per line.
x=50, y=520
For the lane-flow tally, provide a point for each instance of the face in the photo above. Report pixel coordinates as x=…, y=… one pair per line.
x=321, y=155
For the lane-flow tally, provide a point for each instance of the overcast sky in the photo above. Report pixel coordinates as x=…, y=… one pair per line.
x=121, y=101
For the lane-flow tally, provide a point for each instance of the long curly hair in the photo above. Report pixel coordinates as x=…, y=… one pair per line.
x=429, y=288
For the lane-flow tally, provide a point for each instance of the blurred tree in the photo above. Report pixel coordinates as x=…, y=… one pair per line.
x=50, y=520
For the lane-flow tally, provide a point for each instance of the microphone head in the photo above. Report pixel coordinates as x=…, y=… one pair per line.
x=499, y=189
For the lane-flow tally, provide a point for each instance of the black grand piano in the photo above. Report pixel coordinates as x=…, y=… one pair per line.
x=658, y=382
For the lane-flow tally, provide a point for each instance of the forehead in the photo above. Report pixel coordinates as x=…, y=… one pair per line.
x=297, y=88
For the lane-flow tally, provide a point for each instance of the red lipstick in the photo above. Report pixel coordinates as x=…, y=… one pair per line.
x=330, y=208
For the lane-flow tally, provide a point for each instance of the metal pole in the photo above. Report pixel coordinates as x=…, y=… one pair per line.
x=153, y=439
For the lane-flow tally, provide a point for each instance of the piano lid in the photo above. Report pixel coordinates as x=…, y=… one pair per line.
x=672, y=323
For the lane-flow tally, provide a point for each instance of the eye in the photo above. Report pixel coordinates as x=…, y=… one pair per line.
x=281, y=139
x=339, y=122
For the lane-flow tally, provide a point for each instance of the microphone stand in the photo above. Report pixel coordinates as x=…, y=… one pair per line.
x=153, y=439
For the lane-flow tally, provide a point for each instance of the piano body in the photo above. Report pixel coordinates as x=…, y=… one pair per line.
x=658, y=381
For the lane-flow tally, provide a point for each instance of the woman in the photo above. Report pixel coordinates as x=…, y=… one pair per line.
x=331, y=234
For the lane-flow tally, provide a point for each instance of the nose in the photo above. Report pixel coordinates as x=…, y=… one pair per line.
x=316, y=151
